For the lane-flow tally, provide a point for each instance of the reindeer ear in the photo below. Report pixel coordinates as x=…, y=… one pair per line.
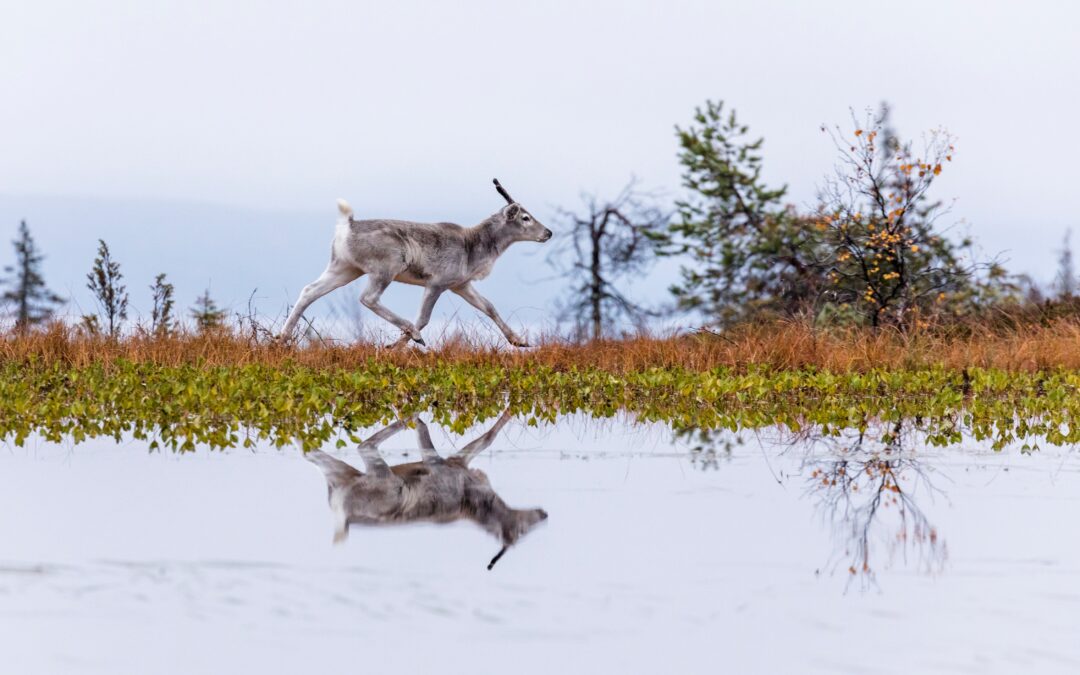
x=512, y=211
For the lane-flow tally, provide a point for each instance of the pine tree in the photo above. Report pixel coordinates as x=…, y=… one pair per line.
x=104, y=281
x=33, y=302
x=748, y=253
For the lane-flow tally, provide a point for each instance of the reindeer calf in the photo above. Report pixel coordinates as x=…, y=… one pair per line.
x=438, y=256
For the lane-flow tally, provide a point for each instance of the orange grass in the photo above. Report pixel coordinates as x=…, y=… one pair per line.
x=780, y=345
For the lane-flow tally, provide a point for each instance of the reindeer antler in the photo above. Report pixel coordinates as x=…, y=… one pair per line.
x=503, y=549
x=502, y=191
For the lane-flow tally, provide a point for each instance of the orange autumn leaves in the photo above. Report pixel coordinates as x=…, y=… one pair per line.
x=876, y=223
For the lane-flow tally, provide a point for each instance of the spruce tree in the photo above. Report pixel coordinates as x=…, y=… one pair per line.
x=208, y=316
x=33, y=303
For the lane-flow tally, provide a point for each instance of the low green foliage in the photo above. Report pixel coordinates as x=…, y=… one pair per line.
x=219, y=407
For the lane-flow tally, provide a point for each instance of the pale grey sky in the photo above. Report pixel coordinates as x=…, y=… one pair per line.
x=210, y=139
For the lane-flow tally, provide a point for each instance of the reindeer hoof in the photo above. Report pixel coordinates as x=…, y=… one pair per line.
x=411, y=333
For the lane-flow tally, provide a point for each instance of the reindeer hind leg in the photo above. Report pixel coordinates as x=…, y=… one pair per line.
x=336, y=275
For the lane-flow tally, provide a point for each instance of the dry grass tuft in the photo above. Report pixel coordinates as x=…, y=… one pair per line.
x=779, y=345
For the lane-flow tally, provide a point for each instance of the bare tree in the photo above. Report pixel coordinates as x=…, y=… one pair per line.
x=34, y=303
x=609, y=241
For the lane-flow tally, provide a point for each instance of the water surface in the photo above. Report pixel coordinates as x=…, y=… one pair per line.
x=760, y=553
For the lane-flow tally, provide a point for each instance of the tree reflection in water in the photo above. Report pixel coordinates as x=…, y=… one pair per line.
x=867, y=486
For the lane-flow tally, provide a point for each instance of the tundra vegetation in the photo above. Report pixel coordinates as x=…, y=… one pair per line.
x=863, y=313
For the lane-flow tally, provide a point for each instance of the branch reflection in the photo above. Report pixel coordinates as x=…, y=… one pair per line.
x=867, y=486
x=870, y=492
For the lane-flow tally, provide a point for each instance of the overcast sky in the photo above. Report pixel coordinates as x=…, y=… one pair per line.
x=210, y=139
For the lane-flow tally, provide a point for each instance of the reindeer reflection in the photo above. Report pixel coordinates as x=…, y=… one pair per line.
x=434, y=489
x=870, y=486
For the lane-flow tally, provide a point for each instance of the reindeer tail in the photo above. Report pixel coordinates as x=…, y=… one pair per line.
x=344, y=208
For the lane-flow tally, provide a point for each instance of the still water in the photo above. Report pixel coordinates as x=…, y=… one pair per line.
x=753, y=553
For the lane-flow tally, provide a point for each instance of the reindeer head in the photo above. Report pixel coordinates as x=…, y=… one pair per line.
x=520, y=222
x=515, y=524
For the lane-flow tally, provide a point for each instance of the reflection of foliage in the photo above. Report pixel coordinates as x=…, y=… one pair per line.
x=706, y=458
x=707, y=446
x=864, y=490
x=864, y=484
x=292, y=403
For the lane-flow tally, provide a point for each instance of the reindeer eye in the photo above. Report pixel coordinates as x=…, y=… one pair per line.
x=526, y=218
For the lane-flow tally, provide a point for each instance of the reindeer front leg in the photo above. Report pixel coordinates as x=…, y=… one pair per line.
x=427, y=448
x=369, y=450
x=478, y=301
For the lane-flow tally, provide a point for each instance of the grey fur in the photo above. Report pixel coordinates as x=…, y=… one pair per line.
x=438, y=256
x=433, y=490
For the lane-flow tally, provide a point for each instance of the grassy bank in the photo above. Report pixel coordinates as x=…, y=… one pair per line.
x=225, y=406
x=777, y=346
x=227, y=390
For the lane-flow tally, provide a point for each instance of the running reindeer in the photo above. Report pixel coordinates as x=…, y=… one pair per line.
x=438, y=256
x=432, y=490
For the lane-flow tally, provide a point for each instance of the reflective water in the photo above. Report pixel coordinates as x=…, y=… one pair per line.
x=764, y=553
